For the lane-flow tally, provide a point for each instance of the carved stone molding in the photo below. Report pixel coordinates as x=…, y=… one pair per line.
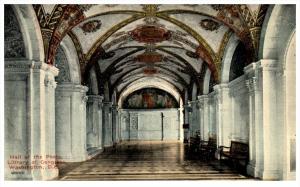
x=50, y=83
x=70, y=87
x=251, y=84
x=84, y=99
x=250, y=69
x=26, y=65
x=268, y=64
x=95, y=98
x=200, y=104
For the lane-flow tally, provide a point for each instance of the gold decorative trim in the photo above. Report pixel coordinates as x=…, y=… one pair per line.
x=221, y=50
x=191, y=31
x=111, y=31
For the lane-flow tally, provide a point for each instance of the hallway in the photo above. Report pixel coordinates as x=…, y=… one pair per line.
x=148, y=160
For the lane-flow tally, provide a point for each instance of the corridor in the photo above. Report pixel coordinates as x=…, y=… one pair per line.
x=148, y=160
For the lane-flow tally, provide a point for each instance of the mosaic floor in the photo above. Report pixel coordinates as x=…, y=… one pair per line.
x=151, y=160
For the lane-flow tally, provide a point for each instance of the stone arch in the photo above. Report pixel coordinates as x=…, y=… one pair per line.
x=227, y=59
x=92, y=82
x=31, y=32
x=278, y=25
x=69, y=50
x=206, y=82
x=194, y=92
x=150, y=83
x=289, y=102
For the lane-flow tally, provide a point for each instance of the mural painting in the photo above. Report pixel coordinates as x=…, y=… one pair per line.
x=150, y=98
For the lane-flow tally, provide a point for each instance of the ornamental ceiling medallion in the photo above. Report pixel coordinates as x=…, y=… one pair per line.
x=150, y=55
x=209, y=24
x=150, y=34
x=91, y=26
x=151, y=31
x=150, y=71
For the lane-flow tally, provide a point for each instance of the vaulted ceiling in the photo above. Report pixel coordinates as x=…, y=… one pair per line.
x=173, y=44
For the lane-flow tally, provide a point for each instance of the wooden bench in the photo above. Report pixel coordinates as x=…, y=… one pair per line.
x=208, y=148
x=237, y=153
x=194, y=144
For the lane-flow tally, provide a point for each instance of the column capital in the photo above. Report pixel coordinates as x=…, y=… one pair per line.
x=268, y=64
x=187, y=106
x=95, y=98
x=115, y=107
x=70, y=87
x=221, y=87
x=250, y=69
x=251, y=84
x=107, y=103
x=203, y=97
x=48, y=82
x=84, y=99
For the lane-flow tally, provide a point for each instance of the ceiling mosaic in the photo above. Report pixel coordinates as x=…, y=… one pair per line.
x=173, y=43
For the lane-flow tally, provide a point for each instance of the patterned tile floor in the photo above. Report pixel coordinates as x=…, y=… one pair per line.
x=148, y=160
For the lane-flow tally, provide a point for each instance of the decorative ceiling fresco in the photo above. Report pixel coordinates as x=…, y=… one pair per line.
x=176, y=44
x=150, y=98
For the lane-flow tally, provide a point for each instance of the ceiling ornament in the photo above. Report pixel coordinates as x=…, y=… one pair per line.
x=192, y=54
x=150, y=34
x=86, y=7
x=150, y=55
x=150, y=10
x=209, y=24
x=91, y=26
x=150, y=71
x=217, y=7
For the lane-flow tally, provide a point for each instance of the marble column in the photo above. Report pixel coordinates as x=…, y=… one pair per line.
x=194, y=118
x=180, y=123
x=115, y=125
x=223, y=114
x=254, y=92
x=272, y=132
x=186, y=131
x=94, y=121
x=265, y=132
x=71, y=122
x=29, y=119
x=204, y=116
x=212, y=115
x=107, y=124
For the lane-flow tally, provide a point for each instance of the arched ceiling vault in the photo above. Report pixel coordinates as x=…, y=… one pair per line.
x=173, y=43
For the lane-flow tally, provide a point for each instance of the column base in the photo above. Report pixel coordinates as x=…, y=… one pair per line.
x=79, y=158
x=44, y=175
x=252, y=170
x=269, y=174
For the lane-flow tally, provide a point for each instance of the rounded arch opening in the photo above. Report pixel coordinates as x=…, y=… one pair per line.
x=150, y=83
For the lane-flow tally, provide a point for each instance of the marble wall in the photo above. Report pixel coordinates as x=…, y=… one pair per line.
x=156, y=124
x=28, y=86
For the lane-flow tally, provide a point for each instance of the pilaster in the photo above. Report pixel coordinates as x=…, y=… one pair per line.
x=107, y=124
x=71, y=122
x=223, y=113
